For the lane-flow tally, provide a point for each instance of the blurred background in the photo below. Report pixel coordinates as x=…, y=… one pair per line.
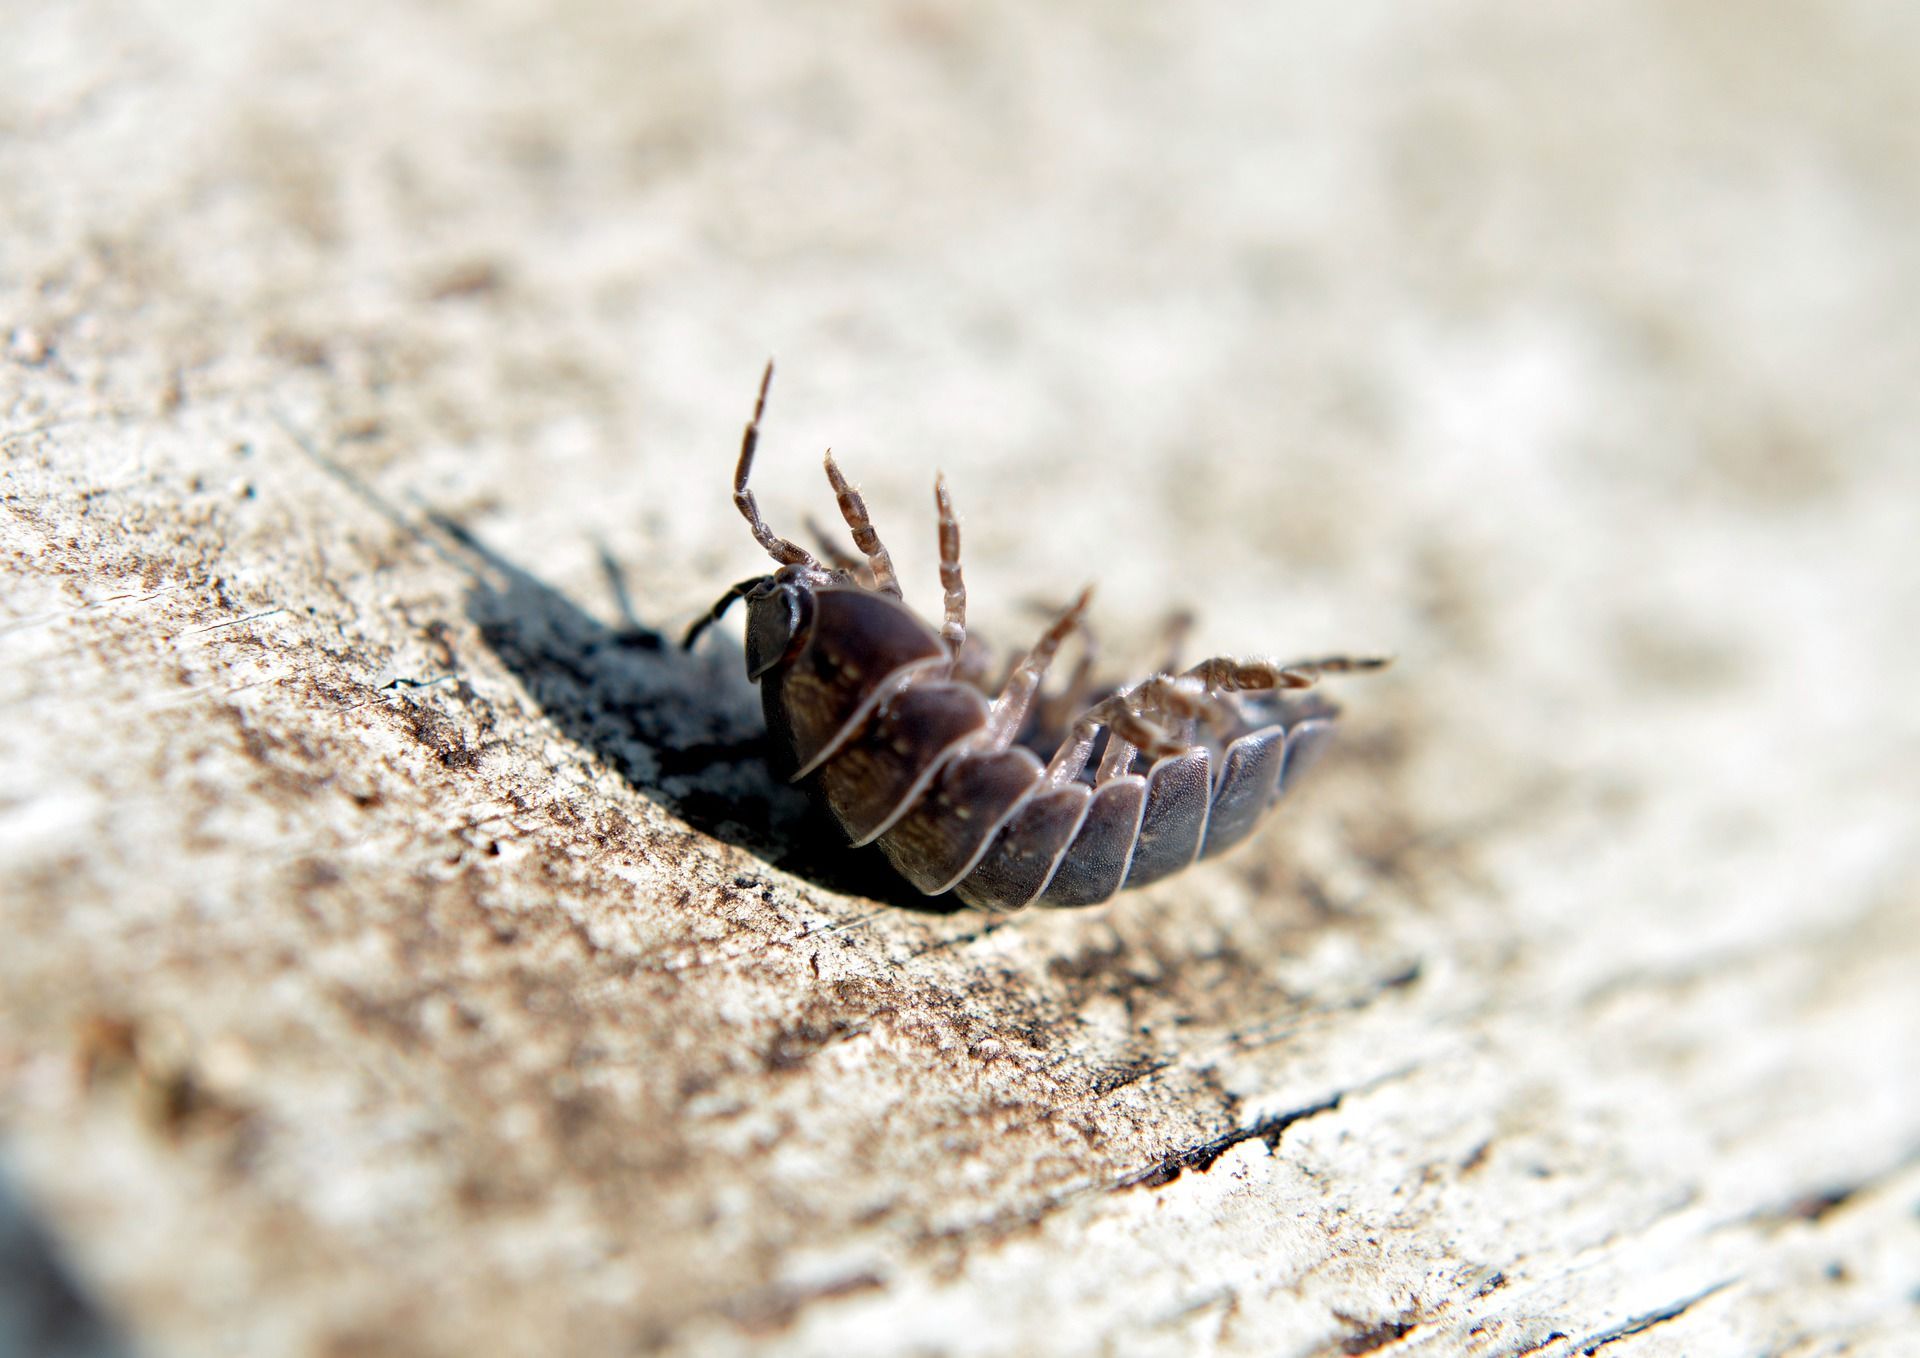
x=1566, y=351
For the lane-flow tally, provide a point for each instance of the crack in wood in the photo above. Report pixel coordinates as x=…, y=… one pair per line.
x=1375, y=1336
x=233, y=622
x=771, y=1309
x=1815, y=1205
x=1593, y=1343
x=1202, y=1157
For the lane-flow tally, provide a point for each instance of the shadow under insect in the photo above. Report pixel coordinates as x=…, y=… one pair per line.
x=683, y=727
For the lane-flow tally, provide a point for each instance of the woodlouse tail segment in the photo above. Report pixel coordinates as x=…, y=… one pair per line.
x=1248, y=782
x=1256, y=772
x=777, y=547
x=1174, y=821
x=854, y=510
x=1095, y=864
x=952, y=584
x=947, y=830
x=1075, y=840
x=1306, y=742
x=1029, y=850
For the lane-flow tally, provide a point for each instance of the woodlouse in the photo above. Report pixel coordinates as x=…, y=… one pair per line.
x=892, y=725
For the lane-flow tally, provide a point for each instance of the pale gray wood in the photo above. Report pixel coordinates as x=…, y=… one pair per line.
x=405, y=952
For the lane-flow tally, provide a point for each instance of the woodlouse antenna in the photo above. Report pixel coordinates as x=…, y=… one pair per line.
x=952, y=583
x=854, y=510
x=718, y=611
x=777, y=547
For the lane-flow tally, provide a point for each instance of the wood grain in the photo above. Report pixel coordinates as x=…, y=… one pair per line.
x=407, y=951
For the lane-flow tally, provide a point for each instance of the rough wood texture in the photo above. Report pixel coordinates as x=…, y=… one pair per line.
x=405, y=952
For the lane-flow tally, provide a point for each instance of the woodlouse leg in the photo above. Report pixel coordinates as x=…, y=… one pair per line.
x=1338, y=664
x=1070, y=760
x=777, y=547
x=1133, y=722
x=952, y=584
x=1009, y=712
x=1117, y=759
x=1224, y=674
x=1157, y=716
x=854, y=510
x=835, y=555
x=1080, y=682
x=1173, y=638
x=1058, y=710
x=974, y=665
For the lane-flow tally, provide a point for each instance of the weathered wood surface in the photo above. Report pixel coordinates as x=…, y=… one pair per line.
x=404, y=951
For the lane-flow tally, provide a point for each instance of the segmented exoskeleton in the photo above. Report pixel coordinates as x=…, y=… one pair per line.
x=890, y=723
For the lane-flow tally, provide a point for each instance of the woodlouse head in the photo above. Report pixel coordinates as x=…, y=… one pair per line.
x=779, y=614
x=782, y=607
